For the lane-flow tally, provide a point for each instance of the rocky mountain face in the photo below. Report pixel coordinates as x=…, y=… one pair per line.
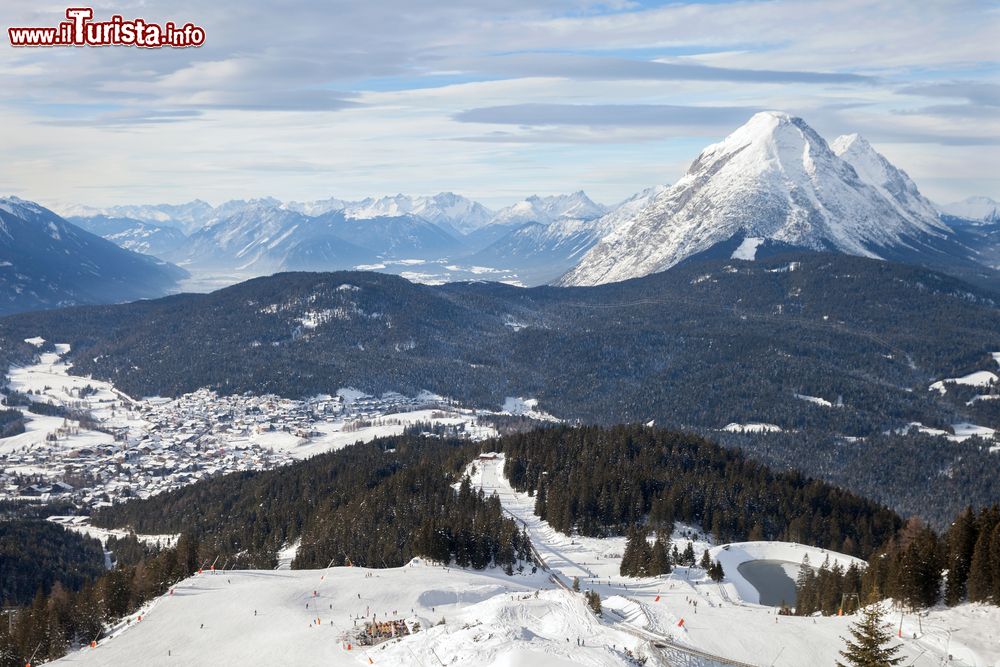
x=773, y=179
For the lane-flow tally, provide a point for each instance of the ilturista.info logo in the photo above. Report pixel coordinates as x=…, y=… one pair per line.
x=80, y=29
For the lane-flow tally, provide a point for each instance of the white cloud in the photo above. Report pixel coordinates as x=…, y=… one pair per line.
x=307, y=99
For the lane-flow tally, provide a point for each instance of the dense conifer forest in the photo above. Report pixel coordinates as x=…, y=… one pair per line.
x=917, y=568
x=698, y=347
x=11, y=423
x=374, y=505
x=914, y=474
x=754, y=334
x=35, y=554
x=600, y=481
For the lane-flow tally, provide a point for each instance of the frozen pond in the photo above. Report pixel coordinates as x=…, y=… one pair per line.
x=773, y=579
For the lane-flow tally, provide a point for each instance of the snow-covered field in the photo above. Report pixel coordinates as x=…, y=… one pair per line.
x=49, y=381
x=977, y=379
x=81, y=524
x=752, y=427
x=334, y=435
x=726, y=620
x=308, y=617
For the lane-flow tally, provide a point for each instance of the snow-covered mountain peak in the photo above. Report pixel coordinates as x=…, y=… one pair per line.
x=772, y=178
x=17, y=206
x=545, y=210
x=893, y=183
x=771, y=145
x=982, y=209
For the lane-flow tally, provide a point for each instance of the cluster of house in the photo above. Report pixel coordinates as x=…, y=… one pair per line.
x=129, y=467
x=168, y=443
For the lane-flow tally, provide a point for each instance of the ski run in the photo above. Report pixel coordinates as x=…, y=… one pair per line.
x=429, y=614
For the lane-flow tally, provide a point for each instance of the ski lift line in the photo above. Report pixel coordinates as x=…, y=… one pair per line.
x=667, y=643
x=661, y=642
x=554, y=578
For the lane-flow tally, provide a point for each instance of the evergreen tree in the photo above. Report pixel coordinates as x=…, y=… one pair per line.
x=636, y=560
x=540, y=495
x=961, y=543
x=805, y=589
x=688, y=556
x=870, y=642
x=594, y=600
x=980, y=582
x=995, y=560
x=706, y=560
x=659, y=560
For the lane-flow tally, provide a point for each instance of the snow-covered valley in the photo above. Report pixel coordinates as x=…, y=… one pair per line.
x=102, y=446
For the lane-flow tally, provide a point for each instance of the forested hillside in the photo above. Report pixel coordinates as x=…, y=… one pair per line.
x=748, y=334
x=823, y=346
x=377, y=505
x=606, y=481
x=36, y=554
x=380, y=503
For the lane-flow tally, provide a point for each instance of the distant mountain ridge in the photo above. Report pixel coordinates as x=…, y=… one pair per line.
x=771, y=185
x=544, y=250
x=47, y=262
x=264, y=235
x=140, y=236
x=975, y=209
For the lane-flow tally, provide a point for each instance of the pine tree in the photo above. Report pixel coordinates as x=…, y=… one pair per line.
x=638, y=555
x=961, y=542
x=688, y=556
x=540, y=500
x=980, y=582
x=870, y=644
x=594, y=600
x=633, y=554
x=919, y=574
x=805, y=588
x=706, y=560
x=659, y=560
x=995, y=560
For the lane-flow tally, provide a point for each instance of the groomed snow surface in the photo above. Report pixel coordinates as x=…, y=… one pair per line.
x=492, y=619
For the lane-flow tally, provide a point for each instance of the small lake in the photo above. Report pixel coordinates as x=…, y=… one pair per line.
x=771, y=580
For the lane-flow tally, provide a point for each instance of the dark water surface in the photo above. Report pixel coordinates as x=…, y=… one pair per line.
x=770, y=580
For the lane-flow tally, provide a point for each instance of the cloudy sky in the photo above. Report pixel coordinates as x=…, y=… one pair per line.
x=495, y=100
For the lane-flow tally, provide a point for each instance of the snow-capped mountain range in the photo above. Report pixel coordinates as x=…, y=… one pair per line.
x=773, y=179
x=542, y=251
x=772, y=183
x=148, y=238
x=260, y=236
x=186, y=217
x=46, y=262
